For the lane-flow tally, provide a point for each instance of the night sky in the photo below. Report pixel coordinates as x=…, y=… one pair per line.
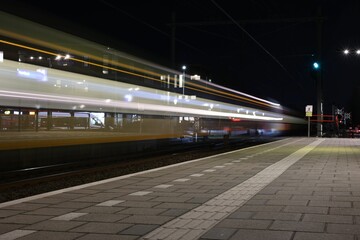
x=260, y=47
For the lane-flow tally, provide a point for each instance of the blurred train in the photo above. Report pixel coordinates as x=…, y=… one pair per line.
x=47, y=84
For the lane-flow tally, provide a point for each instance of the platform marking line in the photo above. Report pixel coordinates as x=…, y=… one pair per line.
x=15, y=234
x=197, y=175
x=196, y=222
x=181, y=180
x=164, y=186
x=109, y=203
x=38, y=196
x=140, y=193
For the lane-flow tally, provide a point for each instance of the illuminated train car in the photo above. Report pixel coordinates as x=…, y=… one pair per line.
x=47, y=85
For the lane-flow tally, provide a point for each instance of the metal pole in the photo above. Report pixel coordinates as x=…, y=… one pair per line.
x=319, y=108
x=308, y=126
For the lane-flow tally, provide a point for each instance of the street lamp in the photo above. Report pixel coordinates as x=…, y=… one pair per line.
x=183, y=68
x=353, y=51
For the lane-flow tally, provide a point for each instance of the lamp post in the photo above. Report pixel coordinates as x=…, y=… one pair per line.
x=183, y=68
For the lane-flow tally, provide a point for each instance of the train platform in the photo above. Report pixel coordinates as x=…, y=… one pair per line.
x=291, y=189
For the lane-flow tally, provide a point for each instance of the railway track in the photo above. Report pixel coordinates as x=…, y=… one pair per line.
x=27, y=182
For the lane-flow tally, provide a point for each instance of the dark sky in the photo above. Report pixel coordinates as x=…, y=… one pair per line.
x=260, y=47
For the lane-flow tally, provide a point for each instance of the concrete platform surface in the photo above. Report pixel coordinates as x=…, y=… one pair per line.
x=292, y=189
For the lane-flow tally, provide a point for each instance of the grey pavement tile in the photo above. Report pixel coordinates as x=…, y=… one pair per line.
x=356, y=204
x=278, y=216
x=106, y=236
x=7, y=227
x=327, y=218
x=345, y=211
x=98, y=227
x=219, y=233
x=101, y=209
x=287, y=202
x=54, y=225
x=8, y=213
x=244, y=223
x=346, y=198
x=143, y=204
x=332, y=193
x=49, y=211
x=174, y=212
x=166, y=193
x=241, y=215
x=177, y=205
x=72, y=204
x=171, y=199
x=343, y=228
x=143, y=211
x=85, y=191
x=199, y=200
x=139, y=229
x=146, y=219
x=52, y=235
x=309, y=197
x=297, y=226
x=101, y=217
x=24, y=219
x=329, y=204
x=252, y=208
x=257, y=201
x=70, y=195
x=244, y=234
x=264, y=196
x=47, y=200
x=25, y=206
x=322, y=236
x=302, y=209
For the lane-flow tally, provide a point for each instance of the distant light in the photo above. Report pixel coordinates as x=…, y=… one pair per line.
x=316, y=65
x=184, y=67
x=358, y=52
x=346, y=51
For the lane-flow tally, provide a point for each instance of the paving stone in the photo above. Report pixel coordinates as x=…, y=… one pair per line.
x=54, y=225
x=24, y=219
x=343, y=228
x=94, y=236
x=44, y=235
x=277, y=216
x=298, y=226
x=327, y=218
x=101, y=217
x=301, y=209
x=321, y=236
x=50, y=211
x=142, y=219
x=139, y=230
x=244, y=234
x=8, y=213
x=244, y=223
x=329, y=204
x=99, y=227
x=218, y=233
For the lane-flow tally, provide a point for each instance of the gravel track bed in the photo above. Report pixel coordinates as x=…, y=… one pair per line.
x=135, y=165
